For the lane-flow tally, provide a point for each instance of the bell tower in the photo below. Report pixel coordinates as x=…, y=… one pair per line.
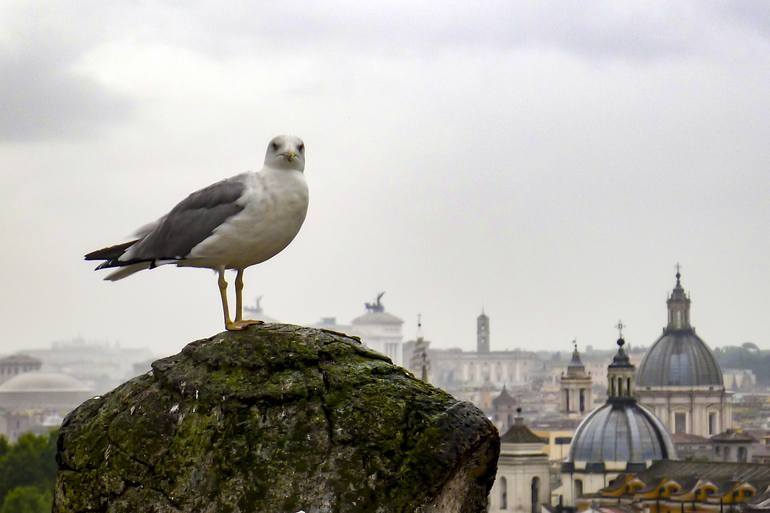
x=482, y=333
x=576, y=397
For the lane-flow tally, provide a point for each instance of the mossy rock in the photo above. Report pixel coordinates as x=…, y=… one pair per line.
x=275, y=418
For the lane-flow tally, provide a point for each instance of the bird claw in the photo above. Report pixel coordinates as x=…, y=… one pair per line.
x=240, y=325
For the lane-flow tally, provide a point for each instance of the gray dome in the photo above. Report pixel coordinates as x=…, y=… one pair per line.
x=43, y=382
x=621, y=431
x=679, y=358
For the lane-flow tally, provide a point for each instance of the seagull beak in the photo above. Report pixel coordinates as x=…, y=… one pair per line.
x=290, y=156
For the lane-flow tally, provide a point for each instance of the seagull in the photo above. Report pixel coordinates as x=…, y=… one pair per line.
x=230, y=225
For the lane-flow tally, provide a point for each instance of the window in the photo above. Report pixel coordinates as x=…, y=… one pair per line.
x=727, y=454
x=503, y=493
x=712, y=423
x=566, y=400
x=742, y=455
x=535, y=493
x=582, y=400
x=578, y=488
x=680, y=422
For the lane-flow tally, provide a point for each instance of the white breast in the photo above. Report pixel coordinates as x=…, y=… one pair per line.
x=275, y=203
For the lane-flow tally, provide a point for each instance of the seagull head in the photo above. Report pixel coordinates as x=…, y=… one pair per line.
x=286, y=152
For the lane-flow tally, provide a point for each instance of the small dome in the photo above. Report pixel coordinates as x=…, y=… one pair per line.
x=504, y=399
x=679, y=358
x=377, y=318
x=621, y=431
x=43, y=382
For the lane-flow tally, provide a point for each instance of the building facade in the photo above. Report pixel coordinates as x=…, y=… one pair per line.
x=478, y=376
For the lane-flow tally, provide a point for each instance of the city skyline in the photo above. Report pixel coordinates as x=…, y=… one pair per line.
x=547, y=162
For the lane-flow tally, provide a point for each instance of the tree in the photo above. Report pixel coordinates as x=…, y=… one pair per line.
x=750, y=346
x=29, y=462
x=26, y=499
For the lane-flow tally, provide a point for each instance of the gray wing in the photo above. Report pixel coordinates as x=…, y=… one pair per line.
x=190, y=222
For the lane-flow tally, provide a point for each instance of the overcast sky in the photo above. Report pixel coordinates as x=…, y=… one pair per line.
x=549, y=161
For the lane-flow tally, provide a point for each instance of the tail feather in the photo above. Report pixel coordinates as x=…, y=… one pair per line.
x=128, y=270
x=111, y=257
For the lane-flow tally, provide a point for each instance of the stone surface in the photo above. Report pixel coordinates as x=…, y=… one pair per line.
x=275, y=418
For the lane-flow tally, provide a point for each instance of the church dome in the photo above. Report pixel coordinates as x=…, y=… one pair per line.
x=43, y=382
x=679, y=357
x=622, y=431
x=622, y=435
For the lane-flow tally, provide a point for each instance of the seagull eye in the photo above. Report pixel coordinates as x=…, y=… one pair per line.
x=301, y=148
x=274, y=145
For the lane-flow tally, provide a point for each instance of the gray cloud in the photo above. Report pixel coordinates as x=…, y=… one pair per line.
x=42, y=99
x=44, y=96
x=42, y=93
x=605, y=29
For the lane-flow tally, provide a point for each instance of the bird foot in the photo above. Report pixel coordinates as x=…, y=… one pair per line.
x=239, y=325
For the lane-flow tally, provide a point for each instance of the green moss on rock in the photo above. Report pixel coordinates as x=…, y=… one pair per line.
x=275, y=418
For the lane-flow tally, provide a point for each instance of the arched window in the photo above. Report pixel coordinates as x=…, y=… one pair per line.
x=503, y=493
x=628, y=386
x=535, y=494
x=620, y=387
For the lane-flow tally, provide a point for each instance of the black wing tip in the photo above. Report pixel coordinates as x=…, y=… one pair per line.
x=111, y=252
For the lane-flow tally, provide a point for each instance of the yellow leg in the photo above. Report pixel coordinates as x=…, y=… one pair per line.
x=239, y=296
x=240, y=323
x=223, y=295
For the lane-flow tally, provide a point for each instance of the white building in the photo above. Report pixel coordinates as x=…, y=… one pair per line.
x=523, y=482
x=36, y=401
x=378, y=330
x=100, y=365
x=477, y=375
